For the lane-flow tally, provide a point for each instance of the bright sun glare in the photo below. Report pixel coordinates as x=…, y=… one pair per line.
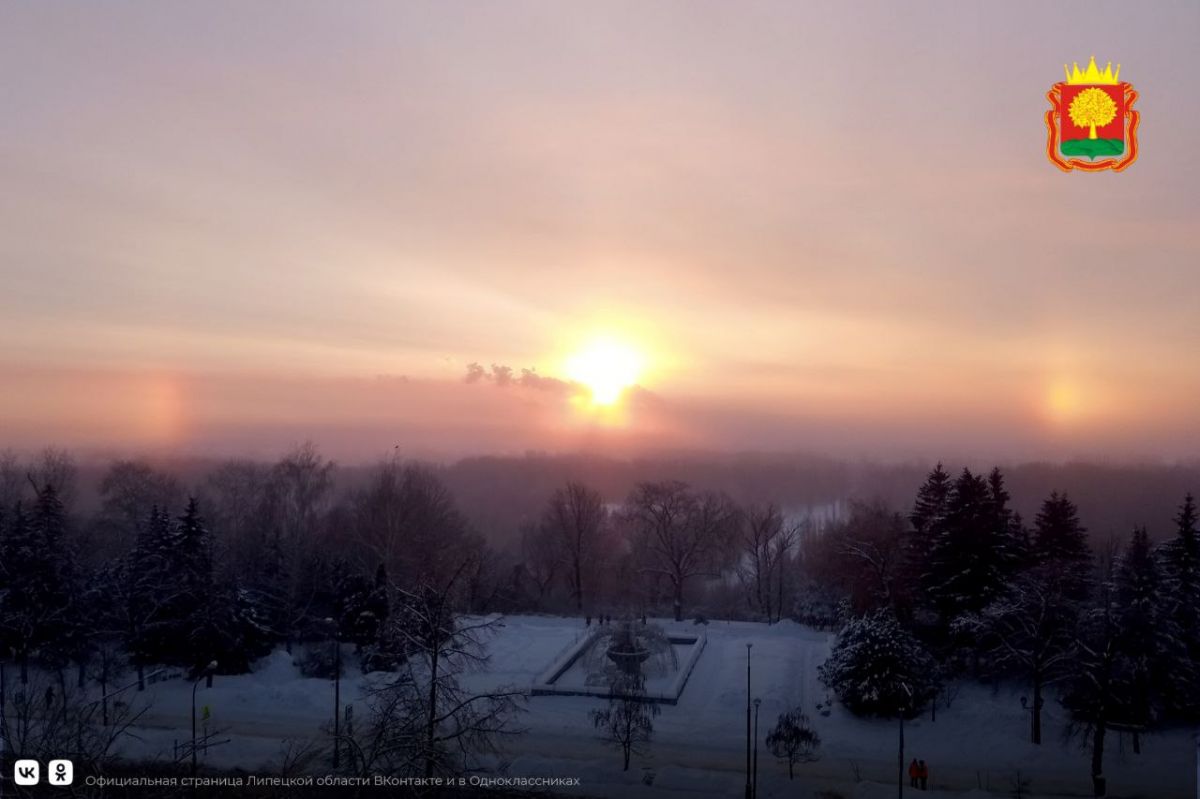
x=606, y=367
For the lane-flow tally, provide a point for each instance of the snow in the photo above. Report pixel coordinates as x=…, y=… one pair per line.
x=974, y=748
x=569, y=675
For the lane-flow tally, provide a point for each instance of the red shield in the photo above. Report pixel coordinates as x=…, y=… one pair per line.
x=1092, y=127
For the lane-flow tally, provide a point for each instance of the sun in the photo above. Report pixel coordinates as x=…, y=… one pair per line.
x=606, y=367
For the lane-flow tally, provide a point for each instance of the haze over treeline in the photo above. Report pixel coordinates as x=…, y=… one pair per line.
x=501, y=493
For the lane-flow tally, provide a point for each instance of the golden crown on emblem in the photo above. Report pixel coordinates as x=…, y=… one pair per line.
x=1091, y=75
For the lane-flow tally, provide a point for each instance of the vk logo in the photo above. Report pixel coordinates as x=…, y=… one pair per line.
x=26, y=772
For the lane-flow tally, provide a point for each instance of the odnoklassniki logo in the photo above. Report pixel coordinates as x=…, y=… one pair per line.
x=1092, y=125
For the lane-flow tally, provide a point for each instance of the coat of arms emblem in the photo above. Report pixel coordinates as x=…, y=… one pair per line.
x=1092, y=125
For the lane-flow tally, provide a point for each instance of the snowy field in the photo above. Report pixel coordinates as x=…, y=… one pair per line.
x=975, y=747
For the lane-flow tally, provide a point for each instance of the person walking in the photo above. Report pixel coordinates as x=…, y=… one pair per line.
x=914, y=774
x=923, y=774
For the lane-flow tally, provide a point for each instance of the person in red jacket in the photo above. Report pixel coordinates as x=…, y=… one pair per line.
x=914, y=773
x=923, y=773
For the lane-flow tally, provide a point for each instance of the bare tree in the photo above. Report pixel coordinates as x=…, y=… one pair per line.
x=574, y=519
x=424, y=722
x=56, y=467
x=408, y=520
x=129, y=491
x=300, y=493
x=540, y=559
x=628, y=721
x=12, y=479
x=237, y=494
x=765, y=541
x=47, y=717
x=1032, y=630
x=871, y=545
x=793, y=739
x=681, y=535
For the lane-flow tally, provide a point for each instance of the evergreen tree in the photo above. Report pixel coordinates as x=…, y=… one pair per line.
x=930, y=508
x=36, y=608
x=191, y=555
x=147, y=583
x=1008, y=528
x=878, y=668
x=928, y=518
x=177, y=615
x=1115, y=685
x=1181, y=577
x=971, y=558
x=1030, y=632
x=224, y=630
x=359, y=606
x=1151, y=665
x=1093, y=694
x=1060, y=543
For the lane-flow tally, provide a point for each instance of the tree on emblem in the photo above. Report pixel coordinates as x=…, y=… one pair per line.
x=1092, y=108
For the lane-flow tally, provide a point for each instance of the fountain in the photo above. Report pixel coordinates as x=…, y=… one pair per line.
x=627, y=651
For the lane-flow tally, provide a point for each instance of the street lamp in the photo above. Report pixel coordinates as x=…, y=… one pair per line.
x=900, y=756
x=757, y=702
x=206, y=672
x=1035, y=712
x=337, y=686
x=749, y=787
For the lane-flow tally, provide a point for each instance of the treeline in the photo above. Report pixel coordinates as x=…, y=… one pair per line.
x=962, y=585
x=255, y=555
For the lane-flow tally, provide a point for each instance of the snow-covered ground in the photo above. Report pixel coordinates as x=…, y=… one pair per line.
x=975, y=747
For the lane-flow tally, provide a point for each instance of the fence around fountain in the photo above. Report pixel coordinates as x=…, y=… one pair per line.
x=545, y=685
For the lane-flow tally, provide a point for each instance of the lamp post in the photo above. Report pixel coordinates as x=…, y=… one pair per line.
x=900, y=755
x=757, y=702
x=207, y=671
x=337, y=687
x=749, y=787
x=1035, y=714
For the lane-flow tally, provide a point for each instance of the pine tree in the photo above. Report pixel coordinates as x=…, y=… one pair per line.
x=148, y=585
x=1146, y=635
x=971, y=558
x=359, y=606
x=176, y=615
x=1093, y=694
x=1118, y=677
x=36, y=610
x=930, y=507
x=1060, y=542
x=1008, y=529
x=1030, y=632
x=928, y=518
x=879, y=668
x=224, y=630
x=1181, y=567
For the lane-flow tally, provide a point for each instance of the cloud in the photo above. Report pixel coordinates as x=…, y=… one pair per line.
x=503, y=377
x=499, y=374
x=531, y=379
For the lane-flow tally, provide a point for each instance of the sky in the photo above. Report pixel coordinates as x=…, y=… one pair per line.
x=229, y=227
